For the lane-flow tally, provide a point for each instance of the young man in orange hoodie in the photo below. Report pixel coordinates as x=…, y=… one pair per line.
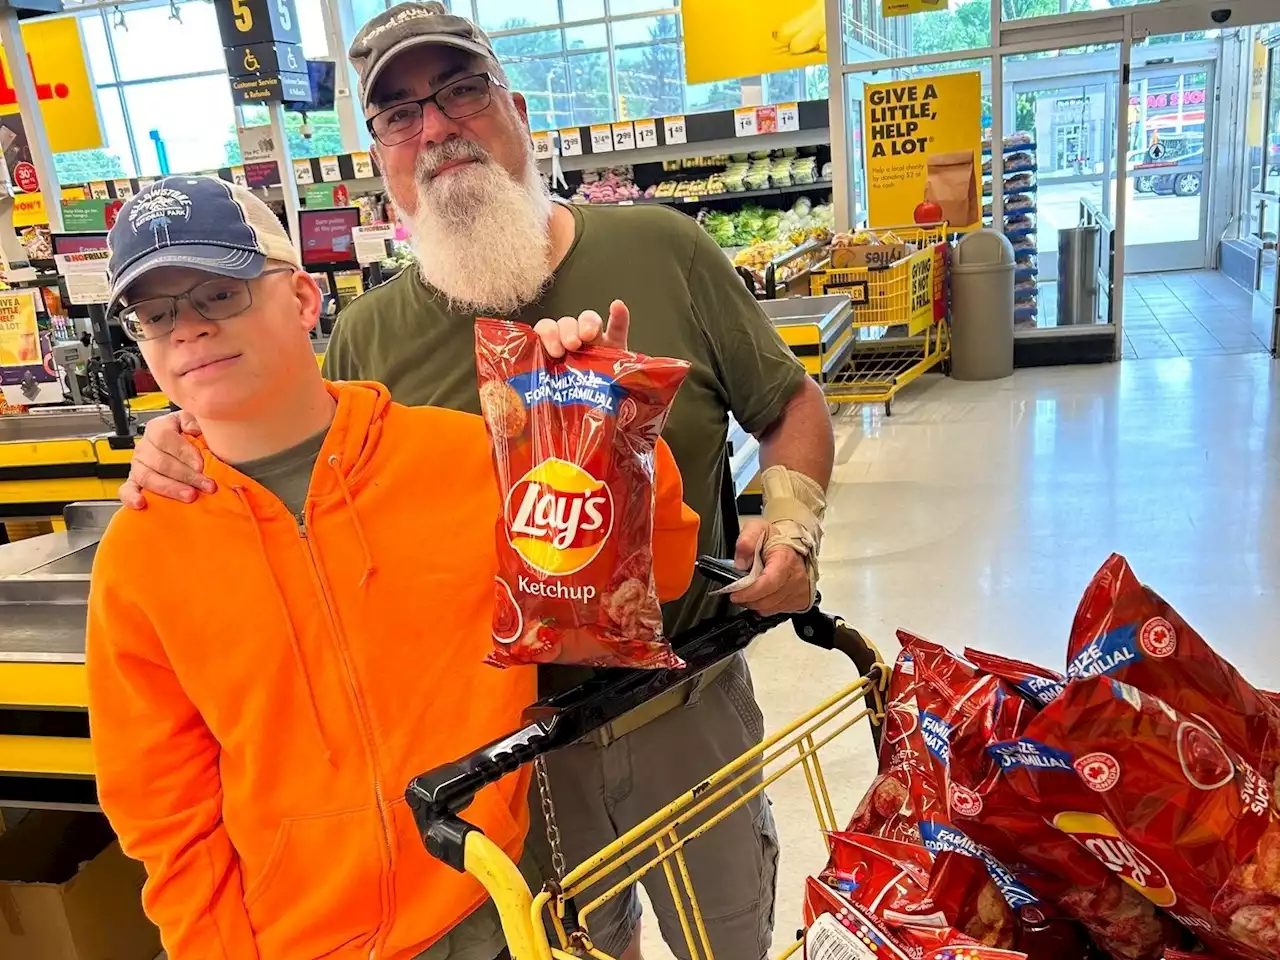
x=321, y=638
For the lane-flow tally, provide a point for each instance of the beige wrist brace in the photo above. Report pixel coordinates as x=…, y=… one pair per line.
x=794, y=506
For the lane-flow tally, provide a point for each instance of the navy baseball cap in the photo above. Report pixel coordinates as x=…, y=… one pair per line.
x=202, y=223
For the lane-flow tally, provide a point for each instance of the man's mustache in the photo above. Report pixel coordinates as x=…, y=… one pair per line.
x=433, y=158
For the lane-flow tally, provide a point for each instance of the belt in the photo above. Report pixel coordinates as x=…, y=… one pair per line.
x=659, y=706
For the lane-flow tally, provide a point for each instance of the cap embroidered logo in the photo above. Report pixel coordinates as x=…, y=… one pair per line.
x=157, y=209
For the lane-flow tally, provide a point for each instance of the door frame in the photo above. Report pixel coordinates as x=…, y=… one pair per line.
x=1191, y=254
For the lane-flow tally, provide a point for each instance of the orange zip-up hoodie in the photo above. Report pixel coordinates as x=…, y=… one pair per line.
x=262, y=689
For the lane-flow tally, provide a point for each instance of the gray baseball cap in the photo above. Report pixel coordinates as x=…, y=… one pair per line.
x=409, y=25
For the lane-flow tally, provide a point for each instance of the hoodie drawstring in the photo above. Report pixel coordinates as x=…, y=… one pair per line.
x=294, y=643
x=369, y=567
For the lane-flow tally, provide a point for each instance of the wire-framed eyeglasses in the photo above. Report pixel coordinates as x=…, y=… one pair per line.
x=457, y=100
x=218, y=299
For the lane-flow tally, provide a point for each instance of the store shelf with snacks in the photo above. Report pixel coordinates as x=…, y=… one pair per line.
x=1019, y=220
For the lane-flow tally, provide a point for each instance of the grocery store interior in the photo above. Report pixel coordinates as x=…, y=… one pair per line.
x=1086, y=366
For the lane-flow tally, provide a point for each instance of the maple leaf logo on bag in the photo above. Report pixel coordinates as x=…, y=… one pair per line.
x=1099, y=771
x=559, y=517
x=1158, y=638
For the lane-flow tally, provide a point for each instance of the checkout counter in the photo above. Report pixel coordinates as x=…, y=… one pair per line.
x=45, y=760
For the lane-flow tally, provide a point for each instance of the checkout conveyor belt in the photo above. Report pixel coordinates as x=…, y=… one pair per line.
x=45, y=758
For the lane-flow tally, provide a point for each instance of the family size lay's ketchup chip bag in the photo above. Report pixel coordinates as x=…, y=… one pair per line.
x=839, y=929
x=887, y=808
x=1125, y=631
x=984, y=804
x=1174, y=810
x=983, y=893
x=573, y=450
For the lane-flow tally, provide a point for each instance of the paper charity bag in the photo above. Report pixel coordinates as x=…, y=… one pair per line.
x=953, y=185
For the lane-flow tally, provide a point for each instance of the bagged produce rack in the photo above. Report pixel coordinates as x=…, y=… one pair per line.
x=1019, y=220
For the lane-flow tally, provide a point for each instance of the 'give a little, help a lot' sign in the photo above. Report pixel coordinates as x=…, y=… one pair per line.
x=923, y=142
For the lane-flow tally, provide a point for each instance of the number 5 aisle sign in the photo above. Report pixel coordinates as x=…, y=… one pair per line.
x=242, y=22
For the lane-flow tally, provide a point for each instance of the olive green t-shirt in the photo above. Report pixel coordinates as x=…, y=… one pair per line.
x=287, y=474
x=686, y=301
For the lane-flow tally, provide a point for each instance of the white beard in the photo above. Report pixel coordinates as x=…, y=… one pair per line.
x=482, y=238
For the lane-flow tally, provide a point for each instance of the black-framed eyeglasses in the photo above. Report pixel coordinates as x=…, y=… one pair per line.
x=457, y=100
x=218, y=299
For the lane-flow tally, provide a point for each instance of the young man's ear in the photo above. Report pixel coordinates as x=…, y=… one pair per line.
x=309, y=297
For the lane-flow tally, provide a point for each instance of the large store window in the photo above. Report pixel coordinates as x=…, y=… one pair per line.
x=158, y=66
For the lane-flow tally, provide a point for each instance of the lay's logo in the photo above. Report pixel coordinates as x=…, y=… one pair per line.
x=1100, y=837
x=558, y=517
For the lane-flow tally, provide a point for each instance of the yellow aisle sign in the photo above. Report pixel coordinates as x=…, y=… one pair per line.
x=726, y=39
x=923, y=145
x=67, y=103
x=900, y=8
x=19, y=334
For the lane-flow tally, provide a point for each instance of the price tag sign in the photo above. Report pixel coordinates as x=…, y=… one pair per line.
x=361, y=166
x=624, y=136
x=238, y=177
x=302, y=172
x=371, y=241
x=788, y=117
x=601, y=138
x=543, y=148
x=329, y=169
x=673, y=130
x=86, y=276
x=571, y=142
x=744, y=122
x=98, y=190
x=646, y=133
x=124, y=189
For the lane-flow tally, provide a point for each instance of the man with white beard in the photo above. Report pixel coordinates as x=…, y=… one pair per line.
x=452, y=142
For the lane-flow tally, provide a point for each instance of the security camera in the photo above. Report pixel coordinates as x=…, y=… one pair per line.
x=1220, y=16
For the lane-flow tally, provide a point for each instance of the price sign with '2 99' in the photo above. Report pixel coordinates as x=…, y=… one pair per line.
x=242, y=22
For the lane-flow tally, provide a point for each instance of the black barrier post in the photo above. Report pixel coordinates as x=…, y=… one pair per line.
x=122, y=439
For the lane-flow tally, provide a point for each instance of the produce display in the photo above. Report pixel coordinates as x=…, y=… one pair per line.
x=573, y=451
x=753, y=224
x=610, y=185
x=1123, y=808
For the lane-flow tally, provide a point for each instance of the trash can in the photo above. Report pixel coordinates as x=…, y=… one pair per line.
x=1078, y=275
x=982, y=306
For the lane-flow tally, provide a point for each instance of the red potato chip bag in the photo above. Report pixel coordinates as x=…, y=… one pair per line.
x=886, y=809
x=974, y=888
x=1039, y=685
x=838, y=929
x=573, y=451
x=1176, y=812
x=877, y=873
x=1125, y=631
x=1055, y=867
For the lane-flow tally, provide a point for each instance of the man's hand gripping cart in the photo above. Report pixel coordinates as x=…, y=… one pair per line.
x=554, y=923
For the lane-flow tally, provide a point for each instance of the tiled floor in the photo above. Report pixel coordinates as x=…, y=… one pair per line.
x=1189, y=314
x=977, y=513
x=1186, y=313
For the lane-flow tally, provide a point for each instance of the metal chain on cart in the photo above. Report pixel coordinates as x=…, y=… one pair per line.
x=549, y=818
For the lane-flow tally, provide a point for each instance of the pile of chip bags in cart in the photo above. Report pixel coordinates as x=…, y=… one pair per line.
x=1125, y=808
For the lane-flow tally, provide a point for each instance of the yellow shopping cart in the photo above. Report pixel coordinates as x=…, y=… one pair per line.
x=554, y=924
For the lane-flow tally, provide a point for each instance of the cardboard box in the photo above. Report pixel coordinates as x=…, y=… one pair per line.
x=875, y=255
x=67, y=892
